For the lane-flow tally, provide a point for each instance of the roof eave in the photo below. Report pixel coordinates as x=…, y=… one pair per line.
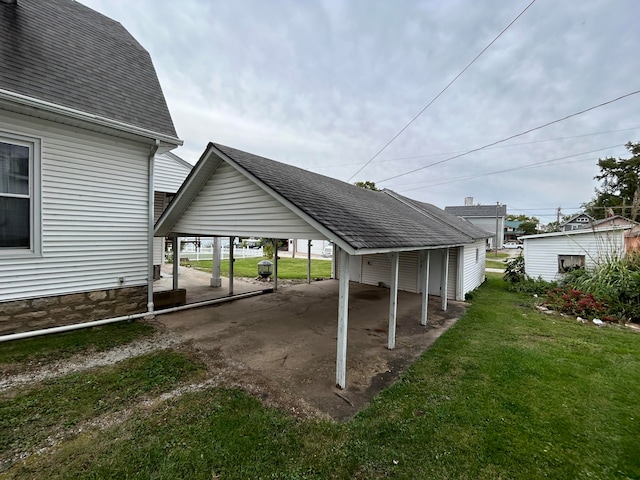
x=24, y=100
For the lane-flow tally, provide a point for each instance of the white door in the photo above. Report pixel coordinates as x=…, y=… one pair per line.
x=355, y=268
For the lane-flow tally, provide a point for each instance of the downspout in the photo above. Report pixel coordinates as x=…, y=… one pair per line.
x=152, y=155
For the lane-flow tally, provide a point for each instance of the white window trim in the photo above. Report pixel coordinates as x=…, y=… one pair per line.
x=35, y=188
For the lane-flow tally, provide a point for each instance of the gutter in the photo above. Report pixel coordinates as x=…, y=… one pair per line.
x=150, y=225
x=135, y=316
x=87, y=117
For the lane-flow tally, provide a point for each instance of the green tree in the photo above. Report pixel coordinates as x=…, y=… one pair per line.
x=367, y=185
x=620, y=188
x=529, y=227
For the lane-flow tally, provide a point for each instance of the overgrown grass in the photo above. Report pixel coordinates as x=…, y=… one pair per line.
x=54, y=347
x=288, y=268
x=505, y=393
x=30, y=415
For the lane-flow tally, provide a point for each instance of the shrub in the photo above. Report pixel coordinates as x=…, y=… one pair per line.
x=615, y=282
x=575, y=302
x=532, y=286
x=514, y=270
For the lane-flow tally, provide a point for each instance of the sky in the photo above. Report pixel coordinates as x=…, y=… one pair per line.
x=325, y=84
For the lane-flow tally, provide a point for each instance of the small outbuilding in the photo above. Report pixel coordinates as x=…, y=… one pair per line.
x=379, y=238
x=550, y=255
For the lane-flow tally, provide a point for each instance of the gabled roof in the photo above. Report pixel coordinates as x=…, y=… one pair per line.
x=354, y=218
x=575, y=216
x=610, y=220
x=61, y=52
x=468, y=211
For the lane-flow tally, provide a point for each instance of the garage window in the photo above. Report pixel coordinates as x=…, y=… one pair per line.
x=567, y=263
x=19, y=196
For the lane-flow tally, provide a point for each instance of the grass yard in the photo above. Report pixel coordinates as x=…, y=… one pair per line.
x=288, y=268
x=506, y=393
x=496, y=260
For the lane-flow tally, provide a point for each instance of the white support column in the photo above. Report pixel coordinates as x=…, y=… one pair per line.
x=308, y=261
x=426, y=260
x=231, y=265
x=393, y=300
x=175, y=246
x=216, y=281
x=343, y=321
x=445, y=279
x=275, y=263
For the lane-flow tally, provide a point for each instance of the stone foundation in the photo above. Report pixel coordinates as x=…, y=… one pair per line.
x=37, y=313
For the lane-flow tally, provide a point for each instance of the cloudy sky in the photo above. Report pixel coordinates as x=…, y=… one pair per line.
x=324, y=85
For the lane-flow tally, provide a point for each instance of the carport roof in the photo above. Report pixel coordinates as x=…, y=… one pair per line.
x=356, y=219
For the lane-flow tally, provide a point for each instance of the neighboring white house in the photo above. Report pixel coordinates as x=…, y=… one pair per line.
x=82, y=116
x=491, y=218
x=550, y=255
x=168, y=174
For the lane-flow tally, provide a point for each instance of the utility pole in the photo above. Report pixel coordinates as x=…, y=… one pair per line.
x=558, y=220
x=497, y=238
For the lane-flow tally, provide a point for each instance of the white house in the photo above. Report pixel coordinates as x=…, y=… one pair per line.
x=82, y=117
x=491, y=218
x=378, y=237
x=550, y=255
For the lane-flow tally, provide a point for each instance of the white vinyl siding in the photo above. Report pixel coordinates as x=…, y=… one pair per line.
x=94, y=213
x=230, y=204
x=473, y=270
x=159, y=203
x=377, y=268
x=168, y=174
x=541, y=254
x=453, y=274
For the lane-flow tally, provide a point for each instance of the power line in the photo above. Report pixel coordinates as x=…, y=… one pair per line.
x=512, y=136
x=441, y=92
x=544, y=163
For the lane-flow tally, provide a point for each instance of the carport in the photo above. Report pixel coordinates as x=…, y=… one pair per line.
x=233, y=193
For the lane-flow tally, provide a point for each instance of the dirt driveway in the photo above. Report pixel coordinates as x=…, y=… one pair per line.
x=282, y=346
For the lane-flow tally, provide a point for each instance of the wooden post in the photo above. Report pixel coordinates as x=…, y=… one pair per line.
x=309, y=261
x=393, y=301
x=216, y=281
x=275, y=264
x=343, y=320
x=426, y=259
x=445, y=276
x=175, y=246
x=231, y=265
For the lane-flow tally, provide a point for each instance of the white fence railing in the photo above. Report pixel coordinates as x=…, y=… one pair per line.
x=207, y=253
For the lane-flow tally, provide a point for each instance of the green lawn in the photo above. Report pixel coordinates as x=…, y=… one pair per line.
x=507, y=392
x=288, y=268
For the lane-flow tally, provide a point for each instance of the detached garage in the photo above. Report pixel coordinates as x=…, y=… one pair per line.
x=379, y=237
x=550, y=255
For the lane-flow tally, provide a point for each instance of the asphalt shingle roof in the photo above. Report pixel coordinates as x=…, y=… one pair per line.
x=362, y=218
x=62, y=52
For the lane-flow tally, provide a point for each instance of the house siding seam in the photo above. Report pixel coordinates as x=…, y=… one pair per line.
x=94, y=213
x=231, y=204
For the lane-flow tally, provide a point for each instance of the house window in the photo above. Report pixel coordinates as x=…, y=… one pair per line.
x=567, y=263
x=19, y=195
x=477, y=255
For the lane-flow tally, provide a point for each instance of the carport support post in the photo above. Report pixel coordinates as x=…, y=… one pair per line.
x=393, y=300
x=308, y=261
x=445, y=277
x=343, y=320
x=231, y=265
x=216, y=281
x=275, y=263
x=426, y=259
x=175, y=246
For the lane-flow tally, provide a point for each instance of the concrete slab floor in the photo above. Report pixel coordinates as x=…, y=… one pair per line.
x=282, y=346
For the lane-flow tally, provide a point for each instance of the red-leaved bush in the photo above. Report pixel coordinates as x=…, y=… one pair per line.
x=575, y=302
